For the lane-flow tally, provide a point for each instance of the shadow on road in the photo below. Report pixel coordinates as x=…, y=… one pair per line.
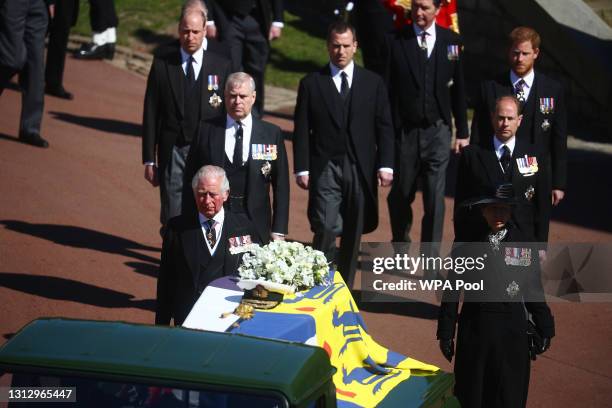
x=144, y=268
x=103, y=124
x=52, y=287
x=79, y=237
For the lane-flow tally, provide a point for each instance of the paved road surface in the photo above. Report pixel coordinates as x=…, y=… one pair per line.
x=79, y=235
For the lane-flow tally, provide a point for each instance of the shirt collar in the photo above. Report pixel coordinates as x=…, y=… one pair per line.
x=431, y=31
x=527, y=78
x=218, y=217
x=198, y=56
x=247, y=122
x=498, y=145
x=349, y=69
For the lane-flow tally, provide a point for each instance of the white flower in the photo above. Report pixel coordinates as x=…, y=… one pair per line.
x=289, y=263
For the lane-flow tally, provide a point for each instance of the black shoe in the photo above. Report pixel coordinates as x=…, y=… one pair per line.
x=92, y=51
x=33, y=139
x=59, y=92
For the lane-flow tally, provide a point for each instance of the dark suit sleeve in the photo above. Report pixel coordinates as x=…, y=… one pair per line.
x=301, y=132
x=458, y=99
x=541, y=207
x=481, y=113
x=448, y=314
x=558, y=149
x=535, y=302
x=150, y=119
x=384, y=128
x=166, y=282
x=460, y=214
x=280, y=188
x=277, y=10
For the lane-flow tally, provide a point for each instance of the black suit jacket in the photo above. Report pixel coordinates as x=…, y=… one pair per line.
x=267, y=11
x=404, y=77
x=479, y=172
x=551, y=139
x=181, y=275
x=209, y=148
x=163, y=107
x=319, y=113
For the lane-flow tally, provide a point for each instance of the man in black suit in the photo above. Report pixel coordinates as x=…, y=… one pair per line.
x=343, y=149
x=246, y=27
x=543, y=109
x=507, y=158
x=199, y=248
x=65, y=16
x=184, y=87
x=425, y=85
x=23, y=26
x=252, y=152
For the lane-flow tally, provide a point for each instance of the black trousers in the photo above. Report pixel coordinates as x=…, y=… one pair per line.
x=66, y=12
x=23, y=26
x=422, y=153
x=249, y=51
x=336, y=208
x=102, y=15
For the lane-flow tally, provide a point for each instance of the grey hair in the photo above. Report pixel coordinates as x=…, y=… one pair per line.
x=192, y=6
x=210, y=171
x=238, y=78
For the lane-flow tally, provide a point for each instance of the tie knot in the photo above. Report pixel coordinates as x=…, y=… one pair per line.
x=343, y=75
x=505, y=150
x=210, y=224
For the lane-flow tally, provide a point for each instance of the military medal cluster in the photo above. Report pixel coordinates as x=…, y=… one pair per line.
x=213, y=85
x=265, y=152
x=547, y=106
x=453, y=52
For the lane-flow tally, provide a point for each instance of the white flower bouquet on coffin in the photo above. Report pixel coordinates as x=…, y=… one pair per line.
x=281, y=267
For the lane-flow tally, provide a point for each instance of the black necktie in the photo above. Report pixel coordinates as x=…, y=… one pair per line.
x=344, y=86
x=190, y=73
x=237, y=159
x=505, y=160
x=211, y=234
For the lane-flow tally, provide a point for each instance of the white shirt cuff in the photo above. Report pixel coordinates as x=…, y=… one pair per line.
x=278, y=24
x=302, y=173
x=386, y=169
x=149, y=164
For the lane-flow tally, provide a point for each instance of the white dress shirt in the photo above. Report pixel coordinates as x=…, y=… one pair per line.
x=337, y=78
x=218, y=227
x=231, y=127
x=431, y=37
x=528, y=82
x=198, y=57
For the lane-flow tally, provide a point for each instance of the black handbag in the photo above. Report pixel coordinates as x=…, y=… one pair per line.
x=534, y=340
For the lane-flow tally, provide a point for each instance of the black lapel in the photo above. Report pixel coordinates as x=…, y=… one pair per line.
x=357, y=94
x=491, y=164
x=411, y=49
x=330, y=95
x=535, y=93
x=440, y=53
x=216, y=141
x=252, y=171
x=176, y=77
x=192, y=239
x=229, y=264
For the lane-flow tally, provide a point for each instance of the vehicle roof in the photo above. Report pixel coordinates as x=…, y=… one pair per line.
x=169, y=353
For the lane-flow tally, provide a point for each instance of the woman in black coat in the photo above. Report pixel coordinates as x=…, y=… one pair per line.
x=493, y=348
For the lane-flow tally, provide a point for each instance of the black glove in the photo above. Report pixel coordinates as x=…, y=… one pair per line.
x=447, y=347
x=545, y=344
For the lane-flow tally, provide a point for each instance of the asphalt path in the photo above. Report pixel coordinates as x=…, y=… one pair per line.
x=79, y=235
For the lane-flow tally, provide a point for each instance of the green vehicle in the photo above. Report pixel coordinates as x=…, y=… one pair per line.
x=116, y=364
